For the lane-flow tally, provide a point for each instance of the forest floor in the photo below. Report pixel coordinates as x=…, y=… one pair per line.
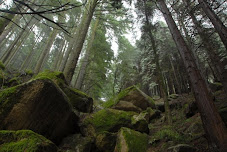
x=187, y=126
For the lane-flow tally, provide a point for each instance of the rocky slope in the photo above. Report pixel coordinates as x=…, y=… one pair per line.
x=45, y=114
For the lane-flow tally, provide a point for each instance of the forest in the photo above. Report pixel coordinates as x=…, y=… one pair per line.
x=113, y=76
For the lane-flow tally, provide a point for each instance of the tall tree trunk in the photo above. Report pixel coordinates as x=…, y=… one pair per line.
x=170, y=82
x=218, y=25
x=177, y=88
x=3, y=43
x=46, y=51
x=85, y=61
x=29, y=56
x=9, y=51
x=80, y=38
x=58, y=55
x=9, y=27
x=61, y=56
x=6, y=19
x=214, y=127
x=216, y=60
x=16, y=48
x=160, y=78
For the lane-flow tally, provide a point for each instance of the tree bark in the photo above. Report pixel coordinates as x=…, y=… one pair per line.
x=80, y=38
x=218, y=25
x=216, y=60
x=212, y=122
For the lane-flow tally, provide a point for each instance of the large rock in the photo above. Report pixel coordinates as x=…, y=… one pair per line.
x=79, y=100
x=153, y=114
x=131, y=141
x=110, y=120
x=126, y=106
x=76, y=143
x=133, y=95
x=24, y=140
x=39, y=105
x=106, y=141
x=140, y=122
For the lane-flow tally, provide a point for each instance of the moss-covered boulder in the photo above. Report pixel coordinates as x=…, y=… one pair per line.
x=131, y=141
x=79, y=100
x=140, y=122
x=24, y=140
x=76, y=143
x=56, y=77
x=153, y=114
x=127, y=106
x=106, y=141
x=134, y=95
x=110, y=120
x=38, y=105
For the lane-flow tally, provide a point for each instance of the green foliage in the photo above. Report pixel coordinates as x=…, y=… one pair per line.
x=29, y=72
x=24, y=140
x=97, y=71
x=2, y=66
x=167, y=133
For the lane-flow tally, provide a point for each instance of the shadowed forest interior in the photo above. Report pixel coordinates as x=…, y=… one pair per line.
x=113, y=76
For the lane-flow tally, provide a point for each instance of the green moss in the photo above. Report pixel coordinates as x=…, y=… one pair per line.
x=80, y=92
x=167, y=132
x=136, y=141
x=7, y=100
x=14, y=80
x=116, y=99
x=57, y=77
x=23, y=140
x=109, y=120
x=2, y=66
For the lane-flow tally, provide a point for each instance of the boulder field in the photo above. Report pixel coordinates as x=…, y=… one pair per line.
x=44, y=114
